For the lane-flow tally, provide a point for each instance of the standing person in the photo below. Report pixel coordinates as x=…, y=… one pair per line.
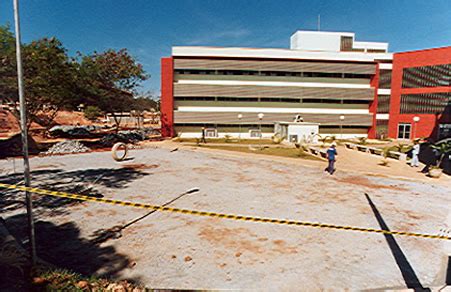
x=331, y=153
x=202, y=139
x=415, y=152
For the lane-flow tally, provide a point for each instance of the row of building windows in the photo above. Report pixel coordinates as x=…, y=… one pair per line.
x=256, y=126
x=271, y=73
x=426, y=103
x=427, y=76
x=269, y=99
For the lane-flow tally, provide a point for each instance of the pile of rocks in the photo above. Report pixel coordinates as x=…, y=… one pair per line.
x=65, y=147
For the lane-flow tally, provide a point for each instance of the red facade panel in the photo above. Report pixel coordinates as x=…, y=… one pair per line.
x=167, y=97
x=373, y=105
x=427, y=125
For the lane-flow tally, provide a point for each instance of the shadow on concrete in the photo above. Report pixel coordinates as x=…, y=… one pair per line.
x=62, y=246
x=115, y=232
x=448, y=272
x=408, y=273
x=76, y=181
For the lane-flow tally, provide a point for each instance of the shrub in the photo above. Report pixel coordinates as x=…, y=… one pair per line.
x=92, y=112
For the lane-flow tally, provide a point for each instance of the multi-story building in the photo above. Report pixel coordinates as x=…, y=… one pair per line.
x=420, y=102
x=325, y=77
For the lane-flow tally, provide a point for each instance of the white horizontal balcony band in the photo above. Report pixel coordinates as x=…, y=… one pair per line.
x=246, y=135
x=274, y=83
x=382, y=116
x=385, y=66
x=271, y=110
x=277, y=54
x=381, y=91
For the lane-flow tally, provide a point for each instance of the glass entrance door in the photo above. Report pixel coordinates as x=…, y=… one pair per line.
x=404, y=131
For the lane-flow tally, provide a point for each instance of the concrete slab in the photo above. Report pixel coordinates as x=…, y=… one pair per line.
x=180, y=251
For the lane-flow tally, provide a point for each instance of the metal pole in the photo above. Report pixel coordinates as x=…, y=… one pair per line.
x=23, y=126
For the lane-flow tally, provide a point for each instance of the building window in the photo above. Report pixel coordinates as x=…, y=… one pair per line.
x=404, y=131
x=255, y=133
x=444, y=131
x=211, y=133
x=272, y=73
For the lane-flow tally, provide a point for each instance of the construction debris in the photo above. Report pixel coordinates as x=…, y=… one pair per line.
x=73, y=131
x=67, y=147
x=124, y=137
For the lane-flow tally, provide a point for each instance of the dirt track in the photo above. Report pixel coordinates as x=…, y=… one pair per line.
x=180, y=251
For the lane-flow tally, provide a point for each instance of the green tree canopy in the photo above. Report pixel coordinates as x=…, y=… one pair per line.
x=54, y=81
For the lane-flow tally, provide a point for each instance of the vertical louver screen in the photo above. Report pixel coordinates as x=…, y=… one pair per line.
x=383, y=104
x=426, y=103
x=346, y=44
x=427, y=76
x=385, y=79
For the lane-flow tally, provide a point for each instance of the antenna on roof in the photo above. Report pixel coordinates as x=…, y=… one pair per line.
x=319, y=22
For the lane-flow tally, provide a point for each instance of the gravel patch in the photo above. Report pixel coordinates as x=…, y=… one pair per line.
x=67, y=147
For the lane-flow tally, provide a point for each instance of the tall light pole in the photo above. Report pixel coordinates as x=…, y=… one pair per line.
x=240, y=116
x=23, y=126
x=416, y=119
x=260, y=117
x=342, y=118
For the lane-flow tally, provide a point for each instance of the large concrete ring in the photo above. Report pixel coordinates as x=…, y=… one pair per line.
x=116, y=147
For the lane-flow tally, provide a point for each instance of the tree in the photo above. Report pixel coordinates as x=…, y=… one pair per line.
x=108, y=80
x=49, y=80
x=145, y=101
x=54, y=81
x=8, y=80
x=48, y=76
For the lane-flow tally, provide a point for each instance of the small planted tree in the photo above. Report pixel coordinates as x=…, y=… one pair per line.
x=403, y=148
x=442, y=149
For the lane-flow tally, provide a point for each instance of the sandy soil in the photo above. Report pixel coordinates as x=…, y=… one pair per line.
x=166, y=250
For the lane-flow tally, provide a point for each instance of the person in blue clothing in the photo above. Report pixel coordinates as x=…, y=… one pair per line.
x=331, y=153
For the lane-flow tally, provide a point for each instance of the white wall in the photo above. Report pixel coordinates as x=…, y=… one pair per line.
x=317, y=40
x=304, y=133
x=275, y=83
x=244, y=135
x=255, y=110
x=277, y=54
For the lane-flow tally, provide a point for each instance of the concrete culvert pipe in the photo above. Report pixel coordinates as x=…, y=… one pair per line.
x=119, y=147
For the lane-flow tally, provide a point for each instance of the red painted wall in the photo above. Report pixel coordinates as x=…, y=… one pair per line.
x=373, y=105
x=167, y=97
x=428, y=122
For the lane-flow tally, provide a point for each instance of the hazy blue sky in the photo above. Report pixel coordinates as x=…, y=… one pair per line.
x=149, y=28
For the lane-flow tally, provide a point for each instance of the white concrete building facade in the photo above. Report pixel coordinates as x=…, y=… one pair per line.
x=322, y=77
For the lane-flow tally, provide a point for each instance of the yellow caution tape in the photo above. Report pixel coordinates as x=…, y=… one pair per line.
x=217, y=215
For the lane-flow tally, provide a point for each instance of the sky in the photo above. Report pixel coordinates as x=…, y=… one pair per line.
x=148, y=28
